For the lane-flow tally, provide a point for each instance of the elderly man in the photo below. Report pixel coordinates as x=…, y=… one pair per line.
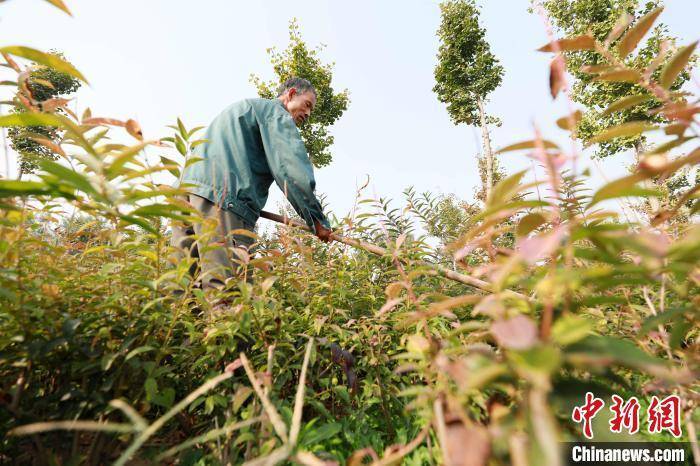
x=249, y=145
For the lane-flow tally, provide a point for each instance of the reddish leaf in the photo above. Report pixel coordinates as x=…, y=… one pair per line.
x=557, y=80
x=95, y=121
x=620, y=25
x=60, y=5
x=584, y=42
x=538, y=247
x=11, y=63
x=635, y=34
x=134, y=129
x=52, y=146
x=569, y=122
x=466, y=445
x=517, y=333
x=655, y=163
x=596, y=68
x=680, y=111
x=51, y=105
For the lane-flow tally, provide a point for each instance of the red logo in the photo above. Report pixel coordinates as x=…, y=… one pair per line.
x=587, y=412
x=625, y=415
x=665, y=415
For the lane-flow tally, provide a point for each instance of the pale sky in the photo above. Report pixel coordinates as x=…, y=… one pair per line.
x=154, y=60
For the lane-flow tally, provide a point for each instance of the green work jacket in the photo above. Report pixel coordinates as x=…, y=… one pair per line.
x=249, y=145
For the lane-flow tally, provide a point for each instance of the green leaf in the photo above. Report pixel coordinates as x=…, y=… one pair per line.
x=124, y=157
x=67, y=175
x=604, y=350
x=651, y=323
x=528, y=145
x=529, y=223
x=632, y=128
x=635, y=34
x=151, y=387
x=165, y=398
x=626, y=186
x=180, y=145
x=678, y=331
x=140, y=222
x=241, y=395
x=11, y=188
x=194, y=130
x=161, y=210
x=626, y=102
x=570, y=329
x=171, y=165
x=183, y=130
x=676, y=65
x=319, y=434
x=536, y=364
x=49, y=119
x=137, y=351
x=504, y=189
x=192, y=160
x=198, y=142
x=622, y=76
x=108, y=360
x=31, y=119
x=53, y=61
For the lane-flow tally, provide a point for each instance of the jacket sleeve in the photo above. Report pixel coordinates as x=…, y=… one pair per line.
x=291, y=167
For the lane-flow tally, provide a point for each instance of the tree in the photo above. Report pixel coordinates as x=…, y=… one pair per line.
x=467, y=72
x=298, y=60
x=44, y=90
x=601, y=18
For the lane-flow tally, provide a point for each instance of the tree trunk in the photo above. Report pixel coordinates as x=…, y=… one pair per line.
x=639, y=149
x=487, y=148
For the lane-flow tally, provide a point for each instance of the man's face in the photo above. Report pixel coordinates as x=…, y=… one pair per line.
x=301, y=105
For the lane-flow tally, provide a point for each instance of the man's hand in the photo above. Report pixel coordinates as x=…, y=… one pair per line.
x=323, y=233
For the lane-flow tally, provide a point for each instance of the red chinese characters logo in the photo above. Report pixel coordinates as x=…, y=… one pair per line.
x=665, y=415
x=587, y=412
x=662, y=415
x=625, y=414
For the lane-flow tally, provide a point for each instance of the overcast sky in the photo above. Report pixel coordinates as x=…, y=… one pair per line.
x=154, y=60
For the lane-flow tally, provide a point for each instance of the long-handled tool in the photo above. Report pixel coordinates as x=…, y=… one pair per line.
x=374, y=249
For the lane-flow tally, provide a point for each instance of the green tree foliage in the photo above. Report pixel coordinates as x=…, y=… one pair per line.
x=608, y=21
x=43, y=85
x=299, y=60
x=467, y=72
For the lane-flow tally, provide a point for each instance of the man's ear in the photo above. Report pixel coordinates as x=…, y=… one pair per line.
x=292, y=92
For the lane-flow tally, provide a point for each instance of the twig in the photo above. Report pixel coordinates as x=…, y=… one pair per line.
x=299, y=401
x=441, y=429
x=208, y=436
x=275, y=418
x=404, y=450
x=158, y=423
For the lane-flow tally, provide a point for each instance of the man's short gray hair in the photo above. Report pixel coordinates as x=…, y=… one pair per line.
x=300, y=84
